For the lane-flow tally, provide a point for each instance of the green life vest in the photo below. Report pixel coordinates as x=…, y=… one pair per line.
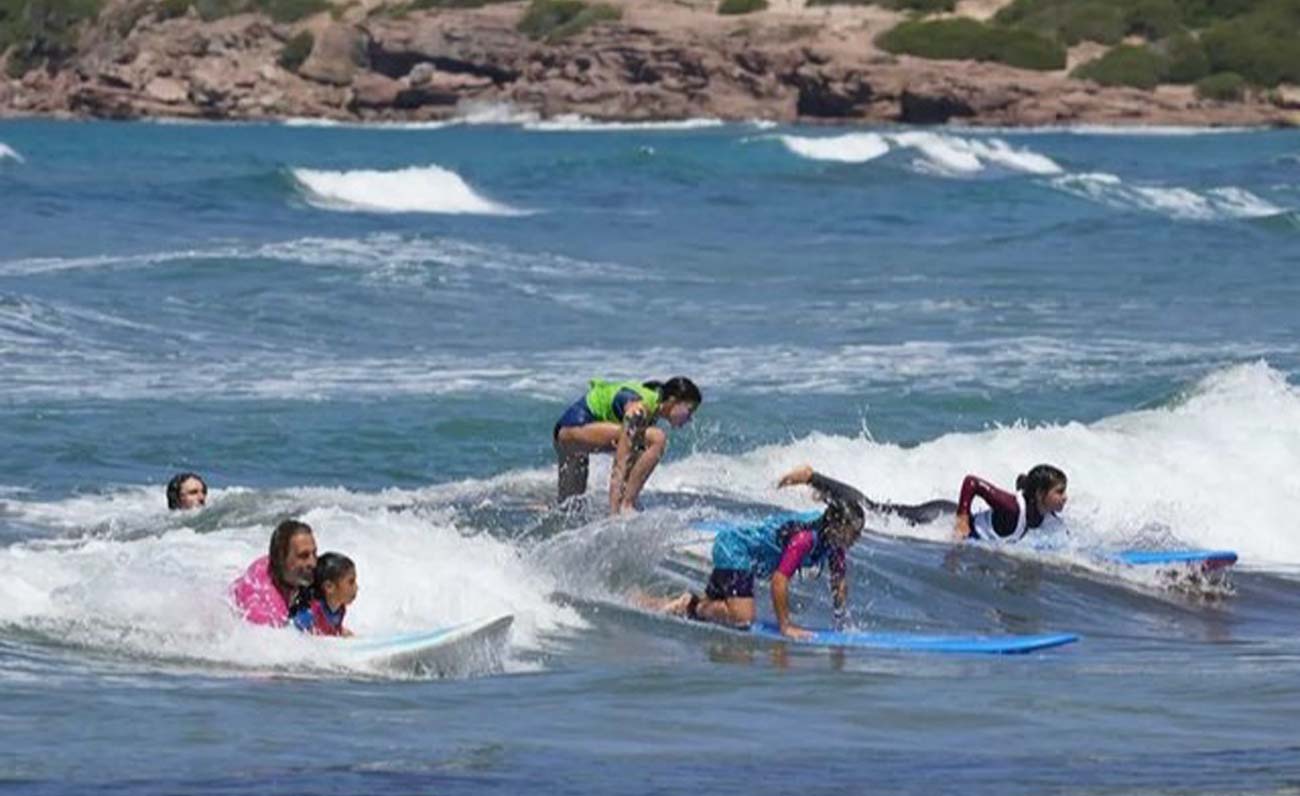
x=600, y=398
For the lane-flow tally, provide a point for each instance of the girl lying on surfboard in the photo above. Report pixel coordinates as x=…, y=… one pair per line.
x=1038, y=499
x=742, y=554
x=620, y=417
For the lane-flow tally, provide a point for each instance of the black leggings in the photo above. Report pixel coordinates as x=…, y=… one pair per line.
x=919, y=514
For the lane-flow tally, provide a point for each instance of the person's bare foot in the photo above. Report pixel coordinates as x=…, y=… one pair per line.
x=680, y=605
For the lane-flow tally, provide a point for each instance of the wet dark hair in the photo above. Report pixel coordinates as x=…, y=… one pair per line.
x=1042, y=478
x=174, y=488
x=329, y=568
x=840, y=513
x=280, y=539
x=678, y=388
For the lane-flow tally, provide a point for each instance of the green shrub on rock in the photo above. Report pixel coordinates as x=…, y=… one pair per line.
x=1154, y=19
x=296, y=50
x=1100, y=22
x=967, y=39
x=1124, y=65
x=1260, y=46
x=171, y=9
x=1224, y=87
x=1186, y=60
x=557, y=19
x=42, y=31
x=735, y=7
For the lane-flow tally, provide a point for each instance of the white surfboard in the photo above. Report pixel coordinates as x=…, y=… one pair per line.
x=444, y=651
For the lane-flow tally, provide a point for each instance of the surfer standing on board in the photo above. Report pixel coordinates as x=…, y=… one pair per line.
x=741, y=555
x=619, y=418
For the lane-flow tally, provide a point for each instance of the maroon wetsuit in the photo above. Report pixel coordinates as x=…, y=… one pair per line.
x=1006, y=511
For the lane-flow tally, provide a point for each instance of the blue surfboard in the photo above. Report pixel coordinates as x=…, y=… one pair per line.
x=920, y=642
x=1208, y=559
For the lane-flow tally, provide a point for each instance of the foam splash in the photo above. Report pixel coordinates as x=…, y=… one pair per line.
x=851, y=148
x=428, y=189
x=940, y=154
x=573, y=123
x=1175, y=202
x=163, y=598
x=1215, y=469
x=9, y=153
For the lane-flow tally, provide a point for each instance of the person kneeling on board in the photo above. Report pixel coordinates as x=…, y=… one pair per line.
x=741, y=555
x=273, y=583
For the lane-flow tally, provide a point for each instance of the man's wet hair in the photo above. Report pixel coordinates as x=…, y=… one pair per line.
x=280, y=539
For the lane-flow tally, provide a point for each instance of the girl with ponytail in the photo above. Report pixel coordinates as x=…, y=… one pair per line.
x=1039, y=498
x=619, y=418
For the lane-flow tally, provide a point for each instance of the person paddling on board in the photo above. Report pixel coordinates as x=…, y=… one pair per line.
x=742, y=554
x=1039, y=498
x=271, y=584
x=332, y=591
x=186, y=491
x=620, y=417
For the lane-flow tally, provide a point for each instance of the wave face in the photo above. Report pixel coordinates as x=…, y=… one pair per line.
x=417, y=189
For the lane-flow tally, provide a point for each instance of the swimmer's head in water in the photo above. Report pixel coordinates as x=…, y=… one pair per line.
x=1044, y=487
x=678, y=399
x=842, y=523
x=293, y=554
x=186, y=491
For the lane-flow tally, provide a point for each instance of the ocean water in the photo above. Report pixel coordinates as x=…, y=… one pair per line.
x=374, y=329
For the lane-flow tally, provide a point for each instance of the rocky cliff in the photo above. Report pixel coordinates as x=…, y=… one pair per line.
x=660, y=60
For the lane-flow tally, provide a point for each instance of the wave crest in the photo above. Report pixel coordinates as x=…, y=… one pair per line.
x=416, y=189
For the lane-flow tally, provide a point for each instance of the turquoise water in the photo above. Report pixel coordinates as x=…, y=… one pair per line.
x=374, y=329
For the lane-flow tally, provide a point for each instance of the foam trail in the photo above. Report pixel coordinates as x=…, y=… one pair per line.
x=851, y=148
x=428, y=189
x=573, y=123
x=940, y=154
x=1215, y=469
x=1174, y=202
x=9, y=153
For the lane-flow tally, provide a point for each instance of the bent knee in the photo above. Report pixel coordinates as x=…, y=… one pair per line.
x=655, y=437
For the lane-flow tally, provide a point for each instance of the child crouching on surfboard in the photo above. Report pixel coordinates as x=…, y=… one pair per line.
x=741, y=555
x=332, y=591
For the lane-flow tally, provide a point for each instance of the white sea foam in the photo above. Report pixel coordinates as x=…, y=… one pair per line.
x=164, y=596
x=851, y=148
x=9, y=153
x=581, y=124
x=940, y=154
x=1216, y=470
x=1172, y=201
x=428, y=189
